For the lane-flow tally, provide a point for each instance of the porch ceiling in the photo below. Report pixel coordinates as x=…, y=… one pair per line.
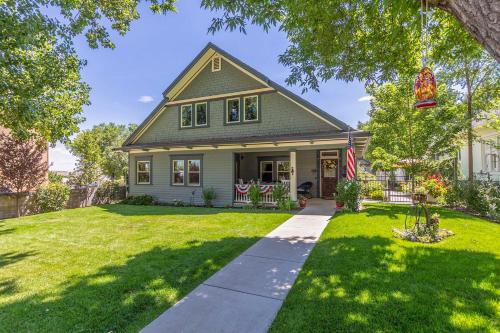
x=360, y=139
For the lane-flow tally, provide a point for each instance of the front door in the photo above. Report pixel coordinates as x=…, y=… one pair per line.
x=329, y=172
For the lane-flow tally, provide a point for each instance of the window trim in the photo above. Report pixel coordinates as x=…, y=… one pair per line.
x=262, y=169
x=189, y=172
x=137, y=171
x=173, y=183
x=180, y=116
x=226, y=113
x=244, y=109
x=186, y=158
x=214, y=68
x=196, y=114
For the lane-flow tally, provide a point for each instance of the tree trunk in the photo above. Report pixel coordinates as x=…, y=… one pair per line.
x=18, y=210
x=481, y=18
x=470, y=151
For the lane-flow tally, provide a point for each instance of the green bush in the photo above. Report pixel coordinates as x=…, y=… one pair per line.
x=208, y=195
x=279, y=193
x=51, y=197
x=480, y=197
x=370, y=189
x=144, y=200
x=55, y=178
x=287, y=204
x=108, y=191
x=254, y=195
x=377, y=195
x=348, y=192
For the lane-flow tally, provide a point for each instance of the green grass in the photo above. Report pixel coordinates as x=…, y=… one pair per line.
x=114, y=268
x=361, y=279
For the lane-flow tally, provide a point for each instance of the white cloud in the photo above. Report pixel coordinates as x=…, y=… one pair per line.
x=365, y=98
x=145, y=99
x=60, y=159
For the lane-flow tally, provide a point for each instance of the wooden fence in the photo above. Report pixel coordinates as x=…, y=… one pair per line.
x=79, y=197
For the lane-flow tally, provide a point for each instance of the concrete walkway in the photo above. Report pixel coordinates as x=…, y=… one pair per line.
x=246, y=294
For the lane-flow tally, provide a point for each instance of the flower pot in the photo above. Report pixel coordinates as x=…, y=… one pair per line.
x=419, y=197
x=339, y=204
x=302, y=203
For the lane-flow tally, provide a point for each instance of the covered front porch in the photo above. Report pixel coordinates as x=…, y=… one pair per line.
x=303, y=171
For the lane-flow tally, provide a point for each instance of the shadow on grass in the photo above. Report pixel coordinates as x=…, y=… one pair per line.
x=367, y=284
x=4, y=230
x=8, y=258
x=122, y=298
x=137, y=210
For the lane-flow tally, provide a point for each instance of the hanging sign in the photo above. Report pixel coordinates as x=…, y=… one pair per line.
x=425, y=89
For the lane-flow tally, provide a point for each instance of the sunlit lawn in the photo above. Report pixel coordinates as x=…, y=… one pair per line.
x=114, y=268
x=361, y=279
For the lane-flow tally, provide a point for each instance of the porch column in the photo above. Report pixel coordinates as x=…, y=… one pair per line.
x=293, y=175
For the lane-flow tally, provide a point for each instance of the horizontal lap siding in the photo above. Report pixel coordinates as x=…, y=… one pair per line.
x=307, y=168
x=217, y=172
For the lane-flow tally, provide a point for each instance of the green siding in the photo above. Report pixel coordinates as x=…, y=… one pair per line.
x=228, y=80
x=279, y=116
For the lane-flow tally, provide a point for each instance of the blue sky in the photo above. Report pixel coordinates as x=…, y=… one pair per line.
x=127, y=82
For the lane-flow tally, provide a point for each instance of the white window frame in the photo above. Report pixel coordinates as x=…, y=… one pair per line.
x=137, y=172
x=198, y=172
x=262, y=169
x=229, y=109
x=181, y=116
x=278, y=169
x=196, y=114
x=245, y=111
x=183, y=172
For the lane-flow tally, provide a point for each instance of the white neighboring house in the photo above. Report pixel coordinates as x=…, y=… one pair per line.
x=486, y=157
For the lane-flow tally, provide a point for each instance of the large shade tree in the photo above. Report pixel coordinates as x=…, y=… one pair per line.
x=42, y=93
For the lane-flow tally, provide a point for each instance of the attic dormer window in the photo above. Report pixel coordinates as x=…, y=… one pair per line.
x=216, y=64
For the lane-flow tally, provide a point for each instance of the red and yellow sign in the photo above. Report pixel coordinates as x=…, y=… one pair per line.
x=425, y=89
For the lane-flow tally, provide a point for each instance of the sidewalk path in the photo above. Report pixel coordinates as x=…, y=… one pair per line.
x=247, y=293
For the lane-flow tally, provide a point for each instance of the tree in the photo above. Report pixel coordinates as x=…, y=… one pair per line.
x=94, y=150
x=22, y=167
x=365, y=40
x=467, y=68
x=411, y=136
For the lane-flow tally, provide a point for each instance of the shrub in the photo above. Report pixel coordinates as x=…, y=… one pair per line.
x=287, y=204
x=144, y=200
x=480, y=197
x=349, y=194
x=279, y=193
x=377, y=195
x=51, y=197
x=208, y=195
x=55, y=178
x=435, y=187
x=109, y=191
x=254, y=195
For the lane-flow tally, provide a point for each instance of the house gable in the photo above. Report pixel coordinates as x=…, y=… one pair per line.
x=282, y=112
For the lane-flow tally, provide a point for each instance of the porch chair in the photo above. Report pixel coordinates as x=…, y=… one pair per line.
x=304, y=188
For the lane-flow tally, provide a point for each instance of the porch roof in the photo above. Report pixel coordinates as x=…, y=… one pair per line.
x=360, y=139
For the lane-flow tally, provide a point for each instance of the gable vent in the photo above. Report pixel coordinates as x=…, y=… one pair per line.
x=216, y=64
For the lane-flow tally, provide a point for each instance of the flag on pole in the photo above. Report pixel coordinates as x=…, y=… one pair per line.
x=351, y=159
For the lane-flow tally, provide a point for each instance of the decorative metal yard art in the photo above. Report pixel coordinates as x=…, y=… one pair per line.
x=425, y=83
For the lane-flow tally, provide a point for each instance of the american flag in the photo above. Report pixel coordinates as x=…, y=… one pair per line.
x=351, y=159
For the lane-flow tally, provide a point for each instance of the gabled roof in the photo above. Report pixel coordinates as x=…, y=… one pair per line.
x=200, y=60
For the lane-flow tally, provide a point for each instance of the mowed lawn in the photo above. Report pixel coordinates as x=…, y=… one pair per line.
x=114, y=268
x=361, y=279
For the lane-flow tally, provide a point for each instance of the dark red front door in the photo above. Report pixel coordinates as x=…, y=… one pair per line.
x=329, y=172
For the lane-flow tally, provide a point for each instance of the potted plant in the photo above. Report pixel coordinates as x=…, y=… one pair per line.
x=302, y=201
x=420, y=195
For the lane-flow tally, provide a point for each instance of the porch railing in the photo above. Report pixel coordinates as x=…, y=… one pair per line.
x=244, y=198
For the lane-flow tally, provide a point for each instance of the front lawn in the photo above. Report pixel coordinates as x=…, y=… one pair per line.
x=114, y=268
x=361, y=279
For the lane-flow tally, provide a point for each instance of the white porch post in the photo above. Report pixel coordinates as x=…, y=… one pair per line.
x=293, y=175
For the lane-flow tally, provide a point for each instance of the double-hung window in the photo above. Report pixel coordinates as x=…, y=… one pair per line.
x=251, y=112
x=283, y=170
x=143, y=169
x=232, y=110
x=201, y=114
x=266, y=171
x=178, y=172
x=187, y=115
x=186, y=170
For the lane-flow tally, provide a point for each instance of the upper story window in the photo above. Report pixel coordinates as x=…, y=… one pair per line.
x=251, y=108
x=143, y=172
x=186, y=115
x=201, y=114
x=233, y=110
